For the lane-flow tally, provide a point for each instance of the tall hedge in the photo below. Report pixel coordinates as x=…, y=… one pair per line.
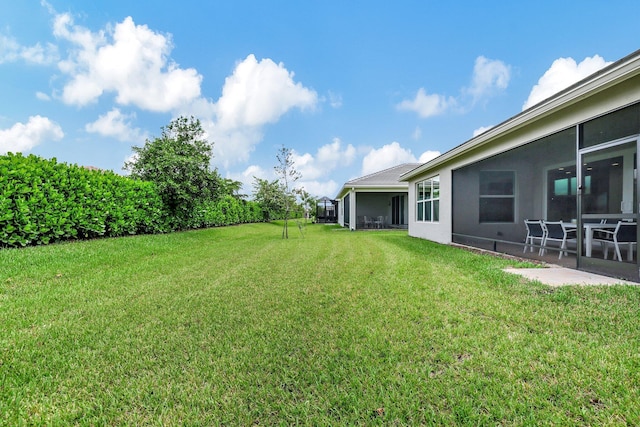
x=227, y=210
x=43, y=201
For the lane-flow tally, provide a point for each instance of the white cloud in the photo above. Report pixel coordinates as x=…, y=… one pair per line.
x=327, y=158
x=256, y=94
x=388, y=156
x=129, y=60
x=12, y=51
x=256, y=171
x=9, y=49
x=333, y=154
x=563, y=73
x=23, y=137
x=428, y=155
x=117, y=125
x=335, y=100
x=480, y=130
x=427, y=105
x=41, y=55
x=246, y=177
x=320, y=188
x=133, y=63
x=392, y=155
x=131, y=158
x=312, y=168
x=43, y=96
x=314, y=187
x=232, y=146
x=417, y=133
x=489, y=76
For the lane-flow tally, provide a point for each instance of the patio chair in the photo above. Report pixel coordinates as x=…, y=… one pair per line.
x=557, y=232
x=624, y=233
x=535, y=231
x=368, y=222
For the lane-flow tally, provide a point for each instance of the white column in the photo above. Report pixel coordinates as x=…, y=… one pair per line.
x=353, y=219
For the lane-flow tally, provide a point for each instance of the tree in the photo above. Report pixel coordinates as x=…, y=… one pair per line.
x=270, y=196
x=231, y=187
x=287, y=175
x=178, y=162
x=308, y=202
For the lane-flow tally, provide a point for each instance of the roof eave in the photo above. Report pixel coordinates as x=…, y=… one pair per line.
x=371, y=187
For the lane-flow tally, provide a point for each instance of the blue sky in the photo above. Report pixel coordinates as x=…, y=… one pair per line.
x=351, y=87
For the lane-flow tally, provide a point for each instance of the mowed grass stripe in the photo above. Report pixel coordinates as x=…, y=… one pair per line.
x=235, y=326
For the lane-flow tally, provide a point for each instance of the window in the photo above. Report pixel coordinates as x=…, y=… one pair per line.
x=428, y=200
x=497, y=196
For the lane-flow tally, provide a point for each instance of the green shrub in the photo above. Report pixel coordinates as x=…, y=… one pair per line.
x=43, y=201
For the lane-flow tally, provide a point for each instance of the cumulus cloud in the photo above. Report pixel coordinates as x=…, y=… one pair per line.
x=128, y=60
x=12, y=51
x=132, y=63
x=392, y=155
x=23, y=137
x=427, y=105
x=489, y=77
x=563, y=73
x=232, y=146
x=427, y=156
x=334, y=154
x=256, y=94
x=117, y=125
x=313, y=168
x=246, y=177
x=320, y=188
x=327, y=158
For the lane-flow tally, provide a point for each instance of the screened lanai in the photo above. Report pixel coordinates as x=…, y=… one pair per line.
x=375, y=201
x=583, y=177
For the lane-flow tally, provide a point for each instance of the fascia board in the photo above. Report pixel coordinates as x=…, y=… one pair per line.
x=380, y=188
x=372, y=189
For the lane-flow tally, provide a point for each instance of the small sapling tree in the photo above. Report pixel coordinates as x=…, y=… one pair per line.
x=288, y=176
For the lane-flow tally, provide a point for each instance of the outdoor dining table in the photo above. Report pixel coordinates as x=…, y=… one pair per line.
x=588, y=233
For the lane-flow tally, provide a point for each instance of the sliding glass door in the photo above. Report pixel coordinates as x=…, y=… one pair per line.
x=608, y=206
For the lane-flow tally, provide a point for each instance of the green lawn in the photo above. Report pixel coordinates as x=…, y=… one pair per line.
x=235, y=326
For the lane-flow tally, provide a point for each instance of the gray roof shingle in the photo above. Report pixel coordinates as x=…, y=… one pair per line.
x=390, y=176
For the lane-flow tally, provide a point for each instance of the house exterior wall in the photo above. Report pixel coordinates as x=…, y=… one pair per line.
x=372, y=202
x=564, y=116
x=436, y=231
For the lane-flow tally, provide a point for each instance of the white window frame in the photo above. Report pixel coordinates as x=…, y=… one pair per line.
x=428, y=200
